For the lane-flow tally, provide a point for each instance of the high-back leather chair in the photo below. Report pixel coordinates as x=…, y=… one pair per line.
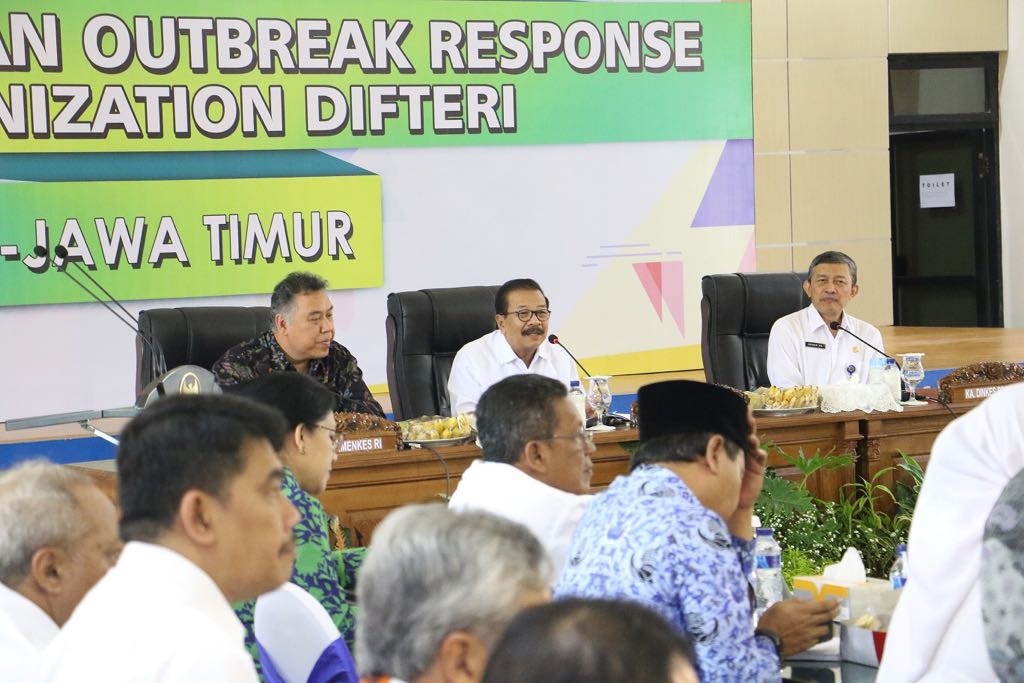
x=196, y=335
x=737, y=313
x=425, y=329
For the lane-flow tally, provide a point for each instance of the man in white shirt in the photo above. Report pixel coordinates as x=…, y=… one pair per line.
x=518, y=346
x=58, y=537
x=938, y=633
x=803, y=348
x=199, y=482
x=536, y=466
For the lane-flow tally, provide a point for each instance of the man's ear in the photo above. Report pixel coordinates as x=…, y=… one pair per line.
x=48, y=567
x=280, y=323
x=462, y=658
x=534, y=458
x=197, y=514
x=853, y=290
x=713, y=453
x=807, y=288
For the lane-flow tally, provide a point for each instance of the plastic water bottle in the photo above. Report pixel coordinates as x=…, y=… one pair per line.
x=875, y=371
x=767, y=572
x=891, y=376
x=579, y=399
x=898, y=573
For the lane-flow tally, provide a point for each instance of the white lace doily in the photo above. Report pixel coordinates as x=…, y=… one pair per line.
x=837, y=398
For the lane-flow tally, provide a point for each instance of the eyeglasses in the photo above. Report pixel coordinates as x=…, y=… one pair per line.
x=333, y=435
x=524, y=314
x=582, y=438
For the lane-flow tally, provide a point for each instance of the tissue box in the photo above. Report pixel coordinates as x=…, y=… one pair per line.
x=855, y=597
x=861, y=645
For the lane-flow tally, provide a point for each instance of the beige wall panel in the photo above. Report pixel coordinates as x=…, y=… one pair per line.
x=874, y=275
x=774, y=260
x=771, y=199
x=769, y=28
x=771, y=106
x=838, y=28
x=842, y=195
x=839, y=104
x=947, y=26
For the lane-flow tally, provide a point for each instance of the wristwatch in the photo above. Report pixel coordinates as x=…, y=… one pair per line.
x=772, y=636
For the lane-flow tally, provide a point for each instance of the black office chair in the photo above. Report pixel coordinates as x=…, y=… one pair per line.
x=197, y=335
x=425, y=329
x=737, y=312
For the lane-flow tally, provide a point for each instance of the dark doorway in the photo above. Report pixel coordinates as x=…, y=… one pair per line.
x=945, y=191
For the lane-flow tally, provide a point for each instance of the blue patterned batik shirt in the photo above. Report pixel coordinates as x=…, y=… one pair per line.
x=648, y=539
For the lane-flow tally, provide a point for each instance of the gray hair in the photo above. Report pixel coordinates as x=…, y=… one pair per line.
x=283, y=299
x=431, y=571
x=38, y=508
x=836, y=257
x=514, y=411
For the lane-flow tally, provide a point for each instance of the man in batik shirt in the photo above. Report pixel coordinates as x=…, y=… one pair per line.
x=676, y=535
x=302, y=341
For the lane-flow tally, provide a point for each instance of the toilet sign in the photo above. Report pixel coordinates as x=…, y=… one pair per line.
x=937, y=191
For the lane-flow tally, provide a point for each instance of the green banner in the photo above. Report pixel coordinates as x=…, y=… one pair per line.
x=166, y=239
x=261, y=74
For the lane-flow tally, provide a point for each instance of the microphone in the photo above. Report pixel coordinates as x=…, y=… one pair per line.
x=904, y=392
x=834, y=325
x=553, y=338
x=61, y=252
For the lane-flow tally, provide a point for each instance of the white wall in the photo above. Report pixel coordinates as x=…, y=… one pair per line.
x=1011, y=171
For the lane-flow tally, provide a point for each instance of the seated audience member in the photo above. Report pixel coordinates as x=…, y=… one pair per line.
x=535, y=467
x=803, y=349
x=937, y=631
x=58, y=536
x=676, y=535
x=436, y=591
x=519, y=346
x=199, y=481
x=308, y=453
x=1002, y=582
x=591, y=641
x=302, y=340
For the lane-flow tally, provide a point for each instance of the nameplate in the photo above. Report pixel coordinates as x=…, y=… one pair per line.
x=978, y=392
x=973, y=383
x=365, y=442
x=814, y=345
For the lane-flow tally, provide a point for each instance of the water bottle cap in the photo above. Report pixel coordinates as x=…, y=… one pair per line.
x=901, y=548
x=765, y=531
x=890, y=361
x=574, y=383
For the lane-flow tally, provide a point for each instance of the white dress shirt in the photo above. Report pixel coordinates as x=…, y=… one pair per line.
x=25, y=631
x=489, y=359
x=802, y=350
x=506, y=491
x=154, y=617
x=937, y=633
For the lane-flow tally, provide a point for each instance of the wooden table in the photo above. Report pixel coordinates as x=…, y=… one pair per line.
x=363, y=488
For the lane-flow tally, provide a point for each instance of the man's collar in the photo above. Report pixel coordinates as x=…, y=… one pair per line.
x=813, y=320
x=505, y=354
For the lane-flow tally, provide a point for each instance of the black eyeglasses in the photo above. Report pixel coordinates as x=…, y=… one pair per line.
x=582, y=438
x=524, y=314
x=333, y=435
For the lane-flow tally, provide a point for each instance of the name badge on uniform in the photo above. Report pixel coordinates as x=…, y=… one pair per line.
x=814, y=345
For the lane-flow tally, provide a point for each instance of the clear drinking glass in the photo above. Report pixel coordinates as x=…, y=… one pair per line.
x=599, y=395
x=913, y=374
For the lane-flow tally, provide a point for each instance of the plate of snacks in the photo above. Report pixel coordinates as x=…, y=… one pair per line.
x=437, y=430
x=777, y=402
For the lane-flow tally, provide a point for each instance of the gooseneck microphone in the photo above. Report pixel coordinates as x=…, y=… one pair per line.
x=834, y=325
x=553, y=338
x=61, y=252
